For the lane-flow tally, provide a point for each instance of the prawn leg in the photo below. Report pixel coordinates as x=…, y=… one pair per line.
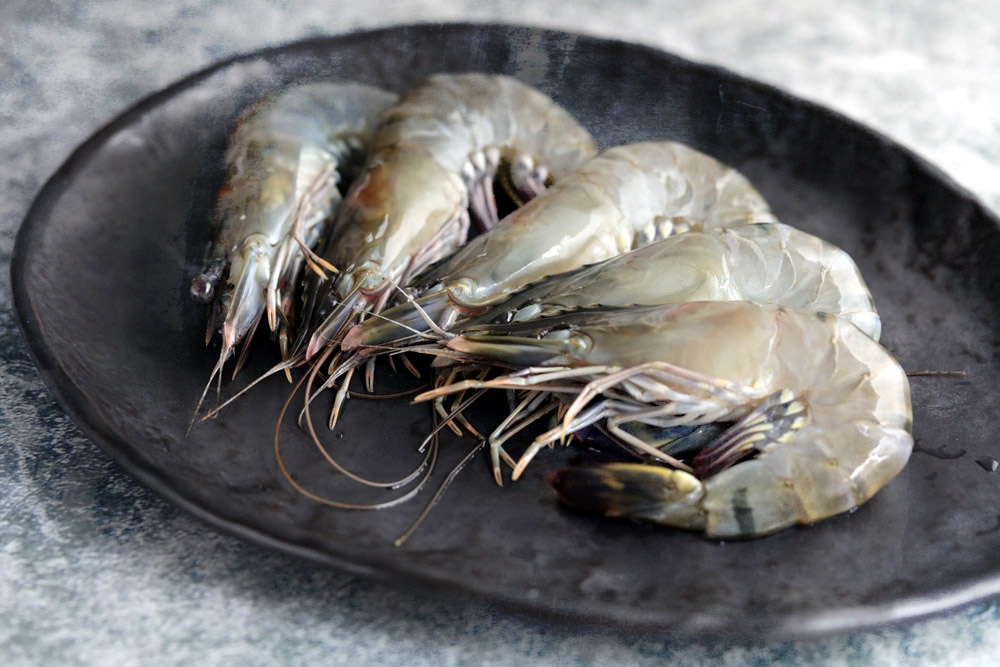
x=653, y=493
x=771, y=423
x=527, y=179
x=479, y=172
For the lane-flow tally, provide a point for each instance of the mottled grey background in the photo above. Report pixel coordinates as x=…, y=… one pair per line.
x=96, y=570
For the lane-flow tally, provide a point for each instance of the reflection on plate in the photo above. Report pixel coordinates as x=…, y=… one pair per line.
x=105, y=254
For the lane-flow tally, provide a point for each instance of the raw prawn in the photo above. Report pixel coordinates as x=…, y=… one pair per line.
x=433, y=155
x=284, y=161
x=625, y=198
x=762, y=263
x=822, y=412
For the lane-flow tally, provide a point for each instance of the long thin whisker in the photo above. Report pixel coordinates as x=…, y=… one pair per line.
x=277, y=368
x=328, y=501
x=310, y=429
x=440, y=492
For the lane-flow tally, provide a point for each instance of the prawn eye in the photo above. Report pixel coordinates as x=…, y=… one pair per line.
x=461, y=290
x=579, y=343
x=202, y=288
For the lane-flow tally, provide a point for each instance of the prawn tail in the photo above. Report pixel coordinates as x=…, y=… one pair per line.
x=632, y=491
x=775, y=421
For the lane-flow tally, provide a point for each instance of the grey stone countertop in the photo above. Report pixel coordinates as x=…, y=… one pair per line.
x=96, y=570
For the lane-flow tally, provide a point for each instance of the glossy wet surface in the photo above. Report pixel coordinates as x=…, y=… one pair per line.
x=924, y=248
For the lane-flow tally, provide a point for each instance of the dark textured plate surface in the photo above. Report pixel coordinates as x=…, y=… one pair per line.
x=100, y=277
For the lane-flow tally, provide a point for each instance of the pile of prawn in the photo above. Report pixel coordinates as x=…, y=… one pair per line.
x=644, y=297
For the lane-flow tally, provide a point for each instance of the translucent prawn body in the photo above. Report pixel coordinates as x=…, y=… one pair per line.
x=820, y=412
x=433, y=156
x=625, y=198
x=765, y=263
x=284, y=162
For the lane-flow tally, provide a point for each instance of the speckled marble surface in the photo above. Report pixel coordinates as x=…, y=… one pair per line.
x=94, y=569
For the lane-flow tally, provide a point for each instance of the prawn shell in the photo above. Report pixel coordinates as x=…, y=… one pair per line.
x=433, y=153
x=857, y=433
x=285, y=153
x=624, y=198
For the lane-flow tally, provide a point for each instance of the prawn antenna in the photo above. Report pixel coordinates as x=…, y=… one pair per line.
x=428, y=465
x=921, y=374
x=439, y=493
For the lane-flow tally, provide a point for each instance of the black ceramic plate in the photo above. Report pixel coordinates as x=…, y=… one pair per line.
x=100, y=279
